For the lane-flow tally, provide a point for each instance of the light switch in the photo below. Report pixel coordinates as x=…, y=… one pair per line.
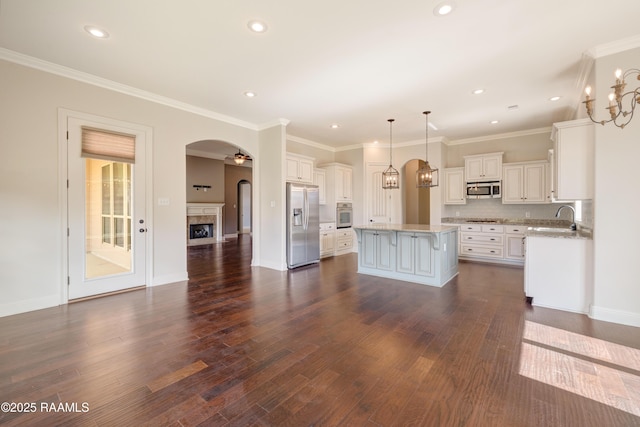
x=273, y=203
x=163, y=201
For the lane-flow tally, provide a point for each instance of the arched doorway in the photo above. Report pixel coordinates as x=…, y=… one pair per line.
x=244, y=207
x=416, y=201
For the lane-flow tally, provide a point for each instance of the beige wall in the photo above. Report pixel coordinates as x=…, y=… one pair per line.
x=616, y=203
x=232, y=176
x=30, y=183
x=203, y=171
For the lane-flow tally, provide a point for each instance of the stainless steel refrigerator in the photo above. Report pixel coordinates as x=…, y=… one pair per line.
x=303, y=224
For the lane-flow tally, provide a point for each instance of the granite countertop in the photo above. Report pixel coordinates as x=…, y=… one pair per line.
x=531, y=223
x=418, y=228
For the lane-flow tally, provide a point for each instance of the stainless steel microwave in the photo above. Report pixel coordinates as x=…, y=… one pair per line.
x=484, y=190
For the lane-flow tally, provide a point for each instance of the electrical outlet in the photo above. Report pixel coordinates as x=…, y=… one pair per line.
x=457, y=213
x=527, y=214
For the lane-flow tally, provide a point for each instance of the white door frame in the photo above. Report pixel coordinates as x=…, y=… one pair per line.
x=63, y=116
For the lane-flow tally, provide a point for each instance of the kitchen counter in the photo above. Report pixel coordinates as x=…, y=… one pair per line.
x=418, y=228
x=424, y=254
x=581, y=233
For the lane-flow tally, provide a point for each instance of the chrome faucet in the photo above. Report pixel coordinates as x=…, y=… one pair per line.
x=573, y=217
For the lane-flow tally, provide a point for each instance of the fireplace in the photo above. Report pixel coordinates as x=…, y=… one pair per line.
x=204, y=223
x=200, y=231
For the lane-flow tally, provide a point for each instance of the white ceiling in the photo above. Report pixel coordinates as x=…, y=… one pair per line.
x=352, y=62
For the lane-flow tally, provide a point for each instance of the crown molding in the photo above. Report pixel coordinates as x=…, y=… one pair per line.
x=310, y=143
x=617, y=46
x=500, y=136
x=274, y=123
x=80, y=76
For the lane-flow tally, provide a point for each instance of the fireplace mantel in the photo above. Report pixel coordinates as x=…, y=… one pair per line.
x=213, y=209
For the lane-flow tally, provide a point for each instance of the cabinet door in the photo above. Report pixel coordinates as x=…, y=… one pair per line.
x=474, y=169
x=534, y=183
x=492, y=167
x=454, y=187
x=343, y=184
x=367, y=248
x=512, y=184
x=319, y=179
x=425, y=256
x=515, y=246
x=384, y=250
x=292, y=170
x=305, y=171
x=574, y=160
x=405, y=253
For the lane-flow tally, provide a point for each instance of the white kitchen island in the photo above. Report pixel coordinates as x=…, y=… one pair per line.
x=425, y=254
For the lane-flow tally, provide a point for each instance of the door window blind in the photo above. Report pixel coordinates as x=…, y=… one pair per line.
x=99, y=144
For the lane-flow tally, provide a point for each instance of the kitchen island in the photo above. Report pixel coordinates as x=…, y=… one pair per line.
x=425, y=254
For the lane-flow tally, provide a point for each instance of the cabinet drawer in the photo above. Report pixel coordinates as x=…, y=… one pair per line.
x=471, y=227
x=493, y=228
x=482, y=238
x=327, y=226
x=485, y=251
x=344, y=244
x=516, y=229
x=344, y=234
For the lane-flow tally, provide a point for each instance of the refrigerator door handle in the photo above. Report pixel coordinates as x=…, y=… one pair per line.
x=306, y=210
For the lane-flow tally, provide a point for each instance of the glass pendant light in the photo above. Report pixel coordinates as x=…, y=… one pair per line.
x=390, y=177
x=425, y=176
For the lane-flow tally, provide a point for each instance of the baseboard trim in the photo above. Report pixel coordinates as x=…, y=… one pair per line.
x=615, y=316
x=169, y=278
x=25, y=306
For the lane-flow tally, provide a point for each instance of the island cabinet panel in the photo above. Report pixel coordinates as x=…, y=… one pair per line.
x=377, y=250
x=411, y=252
x=415, y=254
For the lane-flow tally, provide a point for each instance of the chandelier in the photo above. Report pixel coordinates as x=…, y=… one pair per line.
x=390, y=176
x=426, y=177
x=619, y=116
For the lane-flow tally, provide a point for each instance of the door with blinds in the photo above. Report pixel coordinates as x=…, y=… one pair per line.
x=106, y=208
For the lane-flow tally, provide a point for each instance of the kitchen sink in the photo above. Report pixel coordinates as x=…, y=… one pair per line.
x=552, y=230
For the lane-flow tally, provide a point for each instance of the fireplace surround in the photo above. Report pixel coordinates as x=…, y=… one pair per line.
x=204, y=223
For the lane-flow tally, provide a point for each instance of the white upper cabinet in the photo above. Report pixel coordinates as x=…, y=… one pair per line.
x=299, y=169
x=319, y=179
x=339, y=183
x=524, y=182
x=483, y=167
x=454, y=186
x=573, y=153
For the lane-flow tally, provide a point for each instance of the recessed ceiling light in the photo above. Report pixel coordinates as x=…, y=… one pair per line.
x=444, y=8
x=335, y=126
x=554, y=98
x=478, y=91
x=96, y=32
x=494, y=122
x=257, y=26
x=250, y=94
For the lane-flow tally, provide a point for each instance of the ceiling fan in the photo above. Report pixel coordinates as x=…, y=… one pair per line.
x=239, y=158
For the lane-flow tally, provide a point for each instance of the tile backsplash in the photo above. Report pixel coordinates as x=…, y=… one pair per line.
x=493, y=208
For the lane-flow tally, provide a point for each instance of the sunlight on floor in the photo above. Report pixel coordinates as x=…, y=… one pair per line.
x=98, y=267
x=599, y=370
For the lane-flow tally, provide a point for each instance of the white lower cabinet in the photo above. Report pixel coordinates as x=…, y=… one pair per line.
x=482, y=240
x=558, y=273
x=414, y=254
x=327, y=239
x=514, y=242
x=344, y=241
x=492, y=242
x=377, y=250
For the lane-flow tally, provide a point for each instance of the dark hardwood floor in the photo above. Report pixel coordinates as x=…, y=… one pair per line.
x=320, y=345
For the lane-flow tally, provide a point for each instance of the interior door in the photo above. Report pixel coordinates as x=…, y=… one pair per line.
x=378, y=199
x=106, y=214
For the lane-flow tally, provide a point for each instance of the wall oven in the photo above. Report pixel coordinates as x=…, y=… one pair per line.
x=484, y=190
x=344, y=215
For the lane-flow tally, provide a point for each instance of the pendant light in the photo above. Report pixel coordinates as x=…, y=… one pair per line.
x=425, y=176
x=390, y=177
